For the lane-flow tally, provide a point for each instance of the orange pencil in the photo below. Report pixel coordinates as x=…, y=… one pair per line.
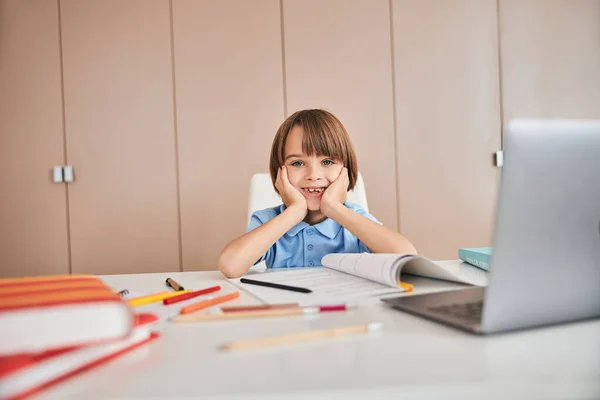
x=207, y=303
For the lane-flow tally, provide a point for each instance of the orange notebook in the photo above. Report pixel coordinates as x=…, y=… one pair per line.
x=41, y=313
x=23, y=375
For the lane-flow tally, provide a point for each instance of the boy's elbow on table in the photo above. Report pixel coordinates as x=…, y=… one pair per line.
x=408, y=248
x=229, y=267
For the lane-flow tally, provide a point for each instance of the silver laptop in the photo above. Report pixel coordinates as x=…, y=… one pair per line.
x=545, y=266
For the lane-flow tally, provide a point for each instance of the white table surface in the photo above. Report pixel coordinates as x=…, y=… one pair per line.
x=412, y=358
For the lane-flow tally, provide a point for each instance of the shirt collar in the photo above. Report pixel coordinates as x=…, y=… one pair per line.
x=328, y=228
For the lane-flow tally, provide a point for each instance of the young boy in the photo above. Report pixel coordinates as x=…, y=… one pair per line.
x=312, y=166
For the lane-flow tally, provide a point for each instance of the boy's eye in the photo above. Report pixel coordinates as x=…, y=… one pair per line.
x=328, y=162
x=297, y=163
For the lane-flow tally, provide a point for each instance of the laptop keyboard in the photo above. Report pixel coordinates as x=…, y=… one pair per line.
x=468, y=312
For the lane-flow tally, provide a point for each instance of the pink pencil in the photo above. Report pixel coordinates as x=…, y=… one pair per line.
x=258, y=307
x=281, y=312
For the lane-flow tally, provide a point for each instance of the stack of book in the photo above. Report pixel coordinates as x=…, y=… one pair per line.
x=58, y=326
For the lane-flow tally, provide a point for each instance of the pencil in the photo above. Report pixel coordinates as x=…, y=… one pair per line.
x=281, y=312
x=258, y=307
x=408, y=287
x=151, y=298
x=247, y=344
x=209, y=302
x=186, y=296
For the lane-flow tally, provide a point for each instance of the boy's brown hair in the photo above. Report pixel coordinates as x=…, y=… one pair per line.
x=324, y=135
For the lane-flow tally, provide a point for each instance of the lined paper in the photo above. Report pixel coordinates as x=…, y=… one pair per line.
x=328, y=286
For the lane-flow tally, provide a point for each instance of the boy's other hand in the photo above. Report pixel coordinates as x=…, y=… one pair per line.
x=336, y=193
x=289, y=194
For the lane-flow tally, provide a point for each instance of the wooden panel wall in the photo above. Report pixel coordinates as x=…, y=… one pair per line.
x=229, y=89
x=338, y=57
x=550, y=58
x=120, y=135
x=33, y=213
x=448, y=122
x=171, y=106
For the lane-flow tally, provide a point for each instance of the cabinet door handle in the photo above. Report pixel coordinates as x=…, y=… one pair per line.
x=68, y=173
x=57, y=174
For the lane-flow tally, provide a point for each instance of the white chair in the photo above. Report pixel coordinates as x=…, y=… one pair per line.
x=262, y=195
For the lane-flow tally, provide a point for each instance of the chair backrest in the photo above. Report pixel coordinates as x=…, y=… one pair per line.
x=262, y=195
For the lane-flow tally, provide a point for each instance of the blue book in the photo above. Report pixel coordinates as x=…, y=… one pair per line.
x=477, y=256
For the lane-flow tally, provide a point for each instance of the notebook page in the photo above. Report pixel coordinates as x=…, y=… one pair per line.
x=387, y=268
x=328, y=286
x=380, y=268
x=464, y=273
x=445, y=271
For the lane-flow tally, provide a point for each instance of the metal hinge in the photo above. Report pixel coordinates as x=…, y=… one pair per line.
x=499, y=158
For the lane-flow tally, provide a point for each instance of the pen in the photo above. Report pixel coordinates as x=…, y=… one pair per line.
x=173, y=284
x=275, y=312
x=207, y=303
x=186, y=296
x=302, y=337
x=275, y=285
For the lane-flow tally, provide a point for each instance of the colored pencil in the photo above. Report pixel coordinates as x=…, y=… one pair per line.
x=275, y=285
x=258, y=307
x=186, y=296
x=281, y=312
x=408, y=287
x=247, y=344
x=209, y=302
x=151, y=298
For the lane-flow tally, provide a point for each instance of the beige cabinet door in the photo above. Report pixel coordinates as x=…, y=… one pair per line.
x=448, y=122
x=33, y=211
x=229, y=89
x=338, y=57
x=118, y=88
x=550, y=58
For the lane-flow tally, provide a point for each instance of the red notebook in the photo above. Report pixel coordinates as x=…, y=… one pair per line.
x=23, y=375
x=41, y=313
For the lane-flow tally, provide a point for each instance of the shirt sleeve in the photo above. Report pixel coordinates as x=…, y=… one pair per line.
x=257, y=219
x=362, y=248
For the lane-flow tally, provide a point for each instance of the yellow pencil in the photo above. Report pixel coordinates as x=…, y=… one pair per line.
x=152, y=298
x=409, y=287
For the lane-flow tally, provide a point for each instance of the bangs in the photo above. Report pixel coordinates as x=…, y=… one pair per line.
x=322, y=138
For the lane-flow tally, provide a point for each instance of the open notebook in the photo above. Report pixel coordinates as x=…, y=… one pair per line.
x=355, y=277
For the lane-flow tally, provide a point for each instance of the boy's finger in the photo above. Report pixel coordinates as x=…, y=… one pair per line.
x=278, y=178
x=344, y=172
x=286, y=180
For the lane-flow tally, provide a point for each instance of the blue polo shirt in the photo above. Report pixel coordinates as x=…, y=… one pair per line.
x=305, y=245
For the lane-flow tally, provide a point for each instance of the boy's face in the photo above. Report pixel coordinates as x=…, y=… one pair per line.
x=311, y=175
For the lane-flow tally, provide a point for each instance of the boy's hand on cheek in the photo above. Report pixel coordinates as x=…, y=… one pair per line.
x=336, y=193
x=290, y=196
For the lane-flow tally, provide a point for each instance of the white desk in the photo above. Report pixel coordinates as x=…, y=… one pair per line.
x=412, y=358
